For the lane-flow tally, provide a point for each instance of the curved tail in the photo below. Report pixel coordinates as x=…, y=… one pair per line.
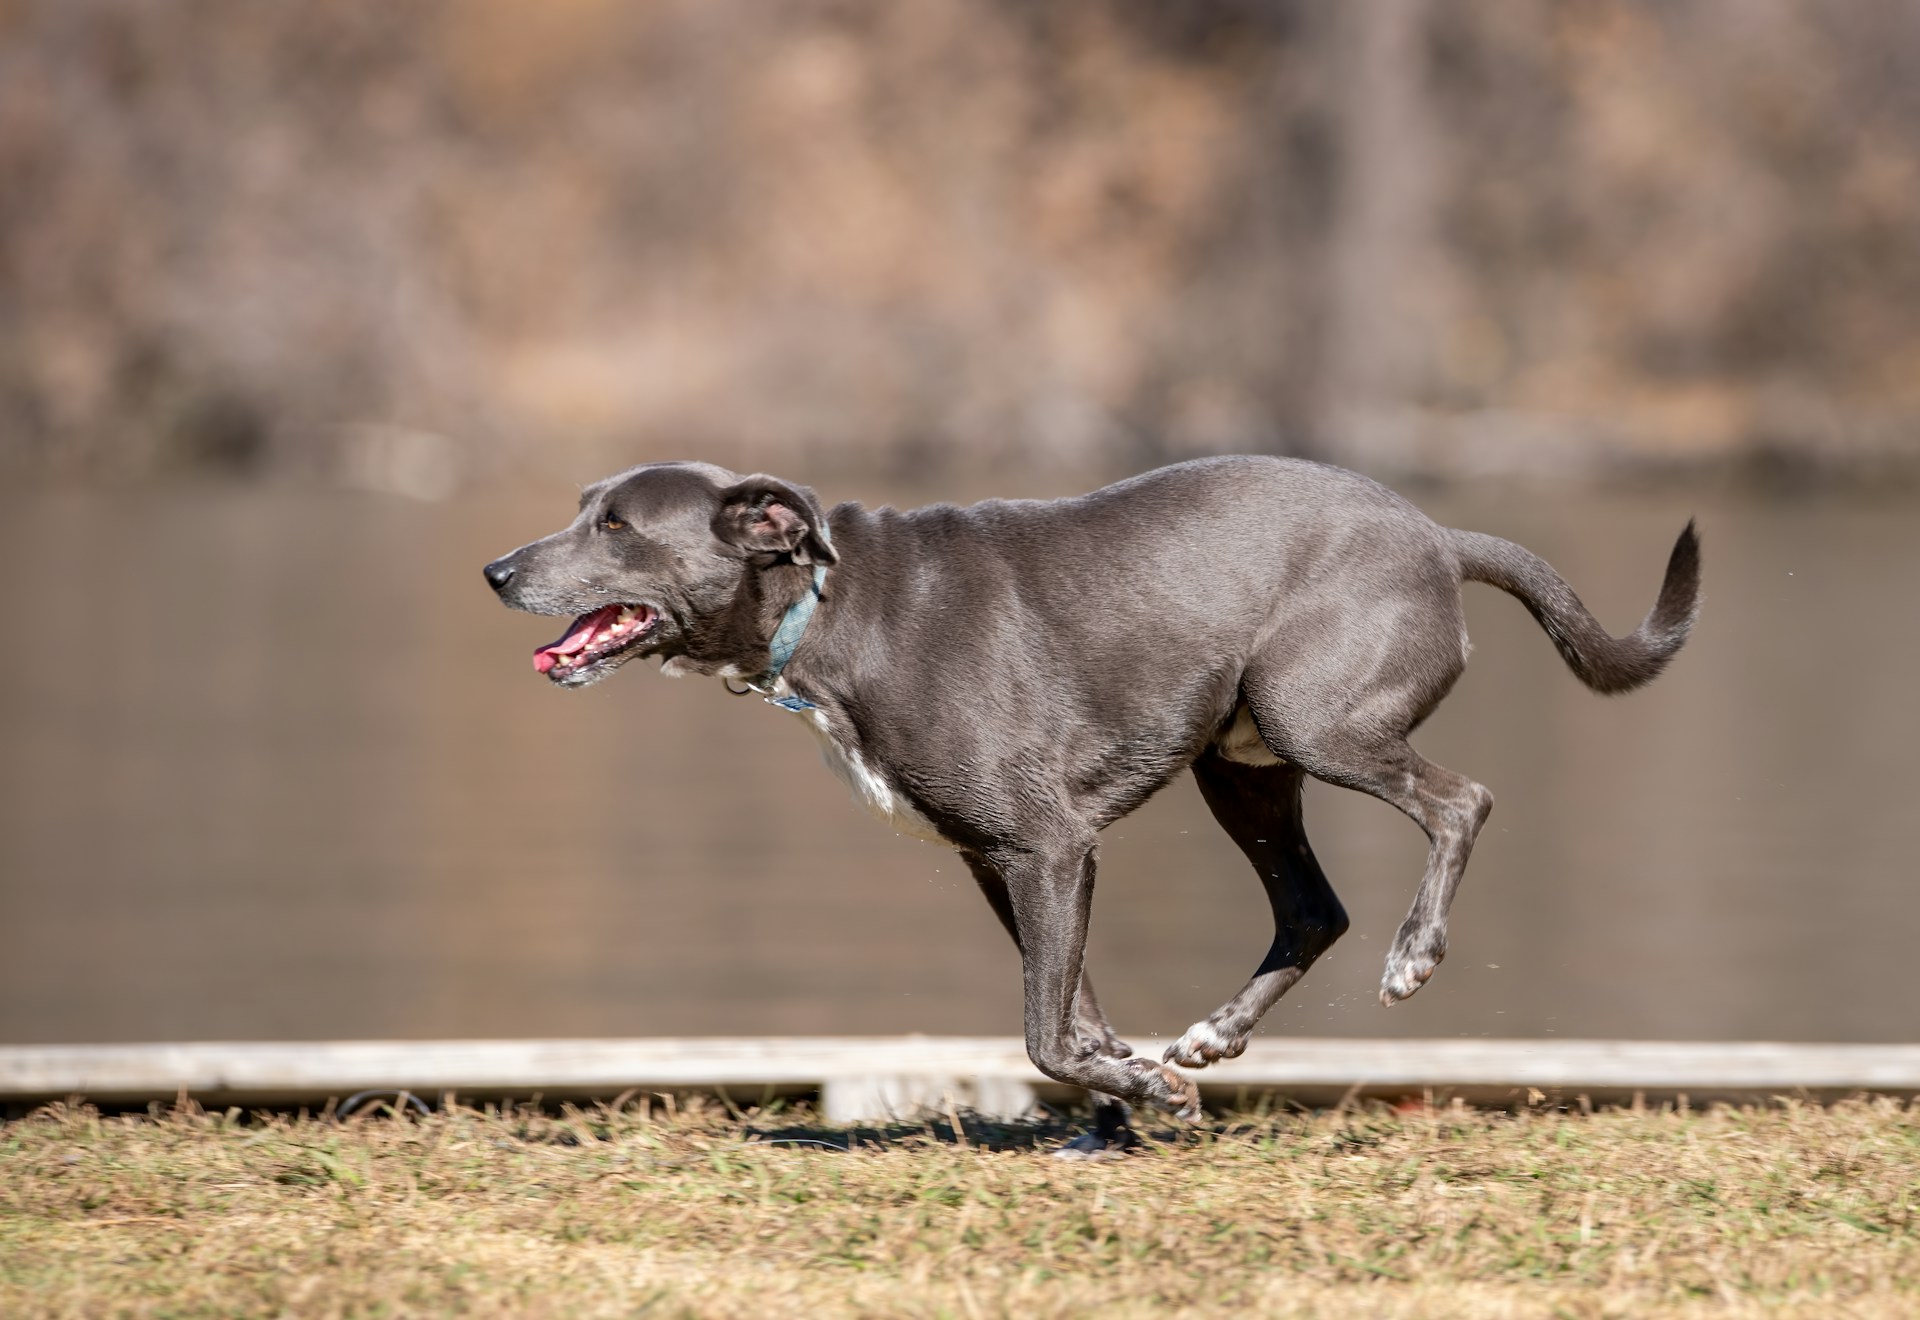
x=1603, y=662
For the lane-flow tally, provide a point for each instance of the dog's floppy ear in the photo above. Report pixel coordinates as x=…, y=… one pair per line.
x=765, y=515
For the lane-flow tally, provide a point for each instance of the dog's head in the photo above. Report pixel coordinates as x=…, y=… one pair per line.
x=686, y=561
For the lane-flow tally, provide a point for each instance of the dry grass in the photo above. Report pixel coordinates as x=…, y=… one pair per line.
x=1791, y=1210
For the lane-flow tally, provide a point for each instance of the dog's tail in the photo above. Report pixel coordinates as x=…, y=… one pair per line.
x=1603, y=662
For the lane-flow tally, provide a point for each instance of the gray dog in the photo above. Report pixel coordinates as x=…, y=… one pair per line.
x=1012, y=677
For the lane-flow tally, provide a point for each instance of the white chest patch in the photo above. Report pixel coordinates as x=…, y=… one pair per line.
x=1242, y=741
x=870, y=788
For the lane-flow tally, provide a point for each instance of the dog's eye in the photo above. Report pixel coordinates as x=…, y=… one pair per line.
x=612, y=524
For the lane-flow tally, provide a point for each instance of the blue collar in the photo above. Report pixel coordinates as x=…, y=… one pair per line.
x=793, y=626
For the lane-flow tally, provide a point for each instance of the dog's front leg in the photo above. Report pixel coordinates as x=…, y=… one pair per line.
x=1092, y=1024
x=1051, y=892
x=1111, y=1133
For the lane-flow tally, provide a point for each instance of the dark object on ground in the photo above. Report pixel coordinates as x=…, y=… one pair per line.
x=1012, y=677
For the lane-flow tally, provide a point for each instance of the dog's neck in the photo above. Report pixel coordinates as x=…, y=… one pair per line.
x=786, y=639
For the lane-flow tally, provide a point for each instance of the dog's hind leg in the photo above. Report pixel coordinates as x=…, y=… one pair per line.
x=1338, y=697
x=1110, y=1114
x=1259, y=806
x=1451, y=809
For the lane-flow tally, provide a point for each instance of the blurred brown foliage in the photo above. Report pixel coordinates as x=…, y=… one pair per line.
x=413, y=243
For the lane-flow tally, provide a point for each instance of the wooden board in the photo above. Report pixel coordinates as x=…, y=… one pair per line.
x=861, y=1078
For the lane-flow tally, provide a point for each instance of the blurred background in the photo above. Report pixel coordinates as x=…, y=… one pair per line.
x=307, y=311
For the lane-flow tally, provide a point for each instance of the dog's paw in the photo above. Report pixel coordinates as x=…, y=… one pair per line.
x=1170, y=1090
x=1114, y=1145
x=1409, y=968
x=1203, y=1044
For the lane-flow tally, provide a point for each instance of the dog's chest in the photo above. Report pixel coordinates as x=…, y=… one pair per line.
x=869, y=787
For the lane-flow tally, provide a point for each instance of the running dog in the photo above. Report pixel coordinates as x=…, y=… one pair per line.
x=1011, y=677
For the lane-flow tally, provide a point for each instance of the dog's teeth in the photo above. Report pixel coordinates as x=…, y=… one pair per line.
x=626, y=615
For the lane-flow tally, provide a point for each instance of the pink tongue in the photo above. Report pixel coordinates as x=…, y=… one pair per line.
x=577, y=638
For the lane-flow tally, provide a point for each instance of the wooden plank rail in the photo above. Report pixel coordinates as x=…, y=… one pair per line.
x=864, y=1078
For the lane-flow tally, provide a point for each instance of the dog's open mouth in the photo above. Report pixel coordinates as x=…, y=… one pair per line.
x=593, y=638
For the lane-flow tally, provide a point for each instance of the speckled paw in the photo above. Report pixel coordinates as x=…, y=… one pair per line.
x=1168, y=1089
x=1203, y=1044
x=1405, y=974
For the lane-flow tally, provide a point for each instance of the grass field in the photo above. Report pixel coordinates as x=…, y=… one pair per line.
x=1792, y=1210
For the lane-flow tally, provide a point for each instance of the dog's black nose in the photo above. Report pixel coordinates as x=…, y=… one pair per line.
x=499, y=573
